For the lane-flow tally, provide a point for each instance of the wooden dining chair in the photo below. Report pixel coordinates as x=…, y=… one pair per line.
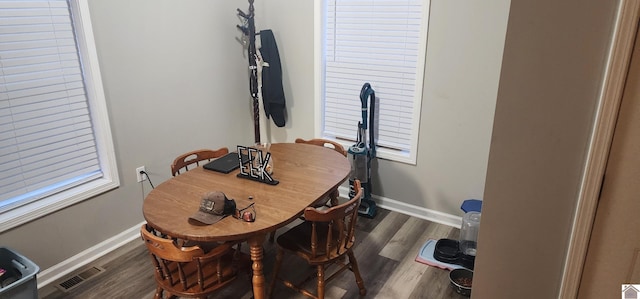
x=335, y=194
x=338, y=148
x=326, y=143
x=322, y=240
x=182, y=163
x=190, y=271
x=186, y=160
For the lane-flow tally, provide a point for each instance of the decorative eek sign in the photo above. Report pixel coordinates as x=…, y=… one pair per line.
x=259, y=166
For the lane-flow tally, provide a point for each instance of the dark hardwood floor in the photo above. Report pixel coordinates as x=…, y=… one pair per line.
x=386, y=251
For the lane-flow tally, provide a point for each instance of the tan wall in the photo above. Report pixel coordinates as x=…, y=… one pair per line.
x=551, y=72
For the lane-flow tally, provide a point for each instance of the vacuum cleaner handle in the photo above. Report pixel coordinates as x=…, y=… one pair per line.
x=364, y=96
x=367, y=93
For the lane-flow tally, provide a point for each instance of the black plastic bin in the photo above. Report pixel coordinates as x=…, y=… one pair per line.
x=19, y=278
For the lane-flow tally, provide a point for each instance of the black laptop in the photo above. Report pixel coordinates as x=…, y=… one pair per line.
x=226, y=163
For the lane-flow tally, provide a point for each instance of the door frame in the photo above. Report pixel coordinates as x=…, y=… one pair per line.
x=623, y=37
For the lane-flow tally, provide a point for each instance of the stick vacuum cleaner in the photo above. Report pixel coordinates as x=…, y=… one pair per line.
x=361, y=154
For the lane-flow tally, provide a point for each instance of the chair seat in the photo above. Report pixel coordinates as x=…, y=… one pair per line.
x=297, y=240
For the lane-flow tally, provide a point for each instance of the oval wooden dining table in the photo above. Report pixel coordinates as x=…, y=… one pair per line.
x=306, y=174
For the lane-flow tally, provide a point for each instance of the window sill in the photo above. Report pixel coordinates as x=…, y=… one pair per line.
x=50, y=204
x=383, y=153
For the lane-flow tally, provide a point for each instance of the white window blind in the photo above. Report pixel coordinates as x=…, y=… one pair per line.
x=47, y=140
x=382, y=42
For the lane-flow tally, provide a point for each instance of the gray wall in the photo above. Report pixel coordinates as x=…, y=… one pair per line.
x=464, y=54
x=553, y=66
x=168, y=66
x=175, y=80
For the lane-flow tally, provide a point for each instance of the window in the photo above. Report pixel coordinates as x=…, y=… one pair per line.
x=382, y=42
x=55, y=140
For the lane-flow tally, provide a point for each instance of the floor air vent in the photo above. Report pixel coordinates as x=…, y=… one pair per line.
x=76, y=280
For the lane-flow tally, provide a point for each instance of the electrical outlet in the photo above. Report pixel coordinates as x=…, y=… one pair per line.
x=141, y=177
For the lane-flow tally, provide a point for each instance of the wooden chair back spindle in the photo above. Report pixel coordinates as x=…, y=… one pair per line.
x=188, y=271
x=326, y=143
x=340, y=222
x=185, y=161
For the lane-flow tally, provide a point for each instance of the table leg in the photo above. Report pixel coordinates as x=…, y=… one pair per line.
x=334, y=197
x=258, y=280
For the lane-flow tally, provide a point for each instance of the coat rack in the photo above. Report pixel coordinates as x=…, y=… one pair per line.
x=249, y=30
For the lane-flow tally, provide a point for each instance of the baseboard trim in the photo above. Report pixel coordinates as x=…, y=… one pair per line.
x=83, y=258
x=411, y=210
